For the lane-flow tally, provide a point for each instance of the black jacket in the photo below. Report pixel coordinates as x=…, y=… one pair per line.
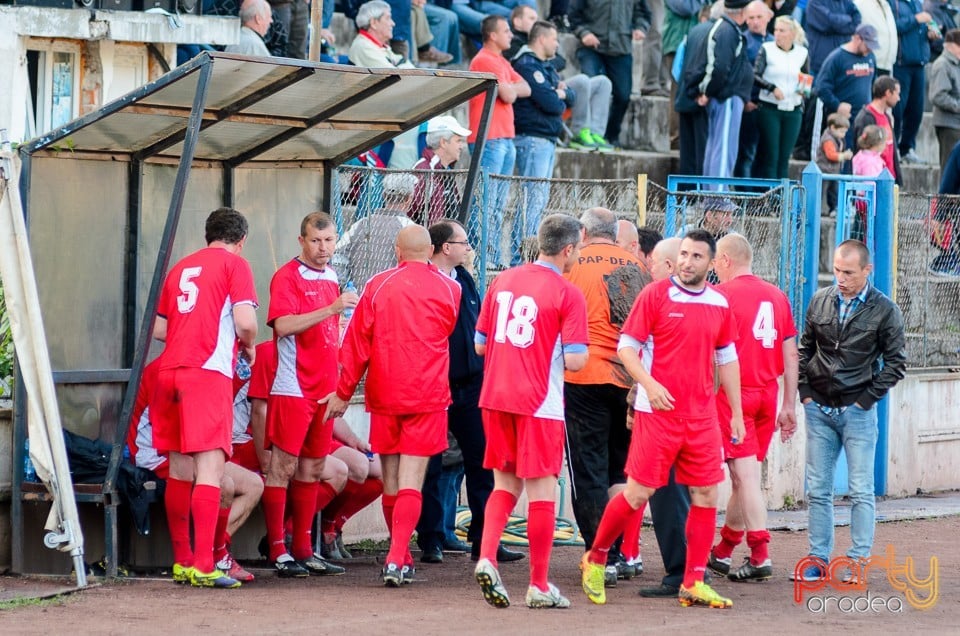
x=693, y=68
x=840, y=367
x=612, y=21
x=464, y=361
x=541, y=114
x=728, y=71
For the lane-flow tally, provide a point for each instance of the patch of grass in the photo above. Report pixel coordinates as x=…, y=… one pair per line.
x=16, y=603
x=370, y=545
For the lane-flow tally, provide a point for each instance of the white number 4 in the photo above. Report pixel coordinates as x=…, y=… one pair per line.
x=764, y=328
x=188, y=299
x=518, y=329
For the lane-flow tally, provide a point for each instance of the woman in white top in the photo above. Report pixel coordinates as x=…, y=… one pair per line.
x=780, y=69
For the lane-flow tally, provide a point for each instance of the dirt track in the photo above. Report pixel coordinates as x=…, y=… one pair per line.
x=445, y=600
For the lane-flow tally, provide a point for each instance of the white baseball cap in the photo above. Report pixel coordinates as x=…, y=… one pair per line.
x=446, y=123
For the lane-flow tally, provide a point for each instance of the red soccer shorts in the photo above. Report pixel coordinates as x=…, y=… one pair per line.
x=297, y=426
x=527, y=446
x=192, y=411
x=417, y=434
x=759, y=421
x=245, y=455
x=660, y=441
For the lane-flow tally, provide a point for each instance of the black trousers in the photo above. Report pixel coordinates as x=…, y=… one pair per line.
x=598, y=440
x=669, y=507
x=693, y=141
x=466, y=425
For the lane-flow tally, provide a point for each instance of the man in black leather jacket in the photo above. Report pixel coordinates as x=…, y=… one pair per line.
x=851, y=354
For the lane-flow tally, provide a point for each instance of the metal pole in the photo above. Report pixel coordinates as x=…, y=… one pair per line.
x=163, y=261
x=812, y=180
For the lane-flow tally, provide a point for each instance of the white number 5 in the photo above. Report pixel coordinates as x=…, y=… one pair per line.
x=188, y=299
x=764, y=328
x=519, y=328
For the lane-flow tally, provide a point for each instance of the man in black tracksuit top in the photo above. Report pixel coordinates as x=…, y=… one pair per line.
x=724, y=88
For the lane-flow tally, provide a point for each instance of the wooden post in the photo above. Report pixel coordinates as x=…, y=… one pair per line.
x=316, y=20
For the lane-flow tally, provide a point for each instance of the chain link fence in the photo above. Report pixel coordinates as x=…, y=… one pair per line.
x=372, y=205
x=772, y=225
x=515, y=205
x=928, y=278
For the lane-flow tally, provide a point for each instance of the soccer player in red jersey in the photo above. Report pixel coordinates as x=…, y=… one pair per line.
x=767, y=349
x=240, y=488
x=399, y=334
x=532, y=326
x=305, y=304
x=680, y=326
x=206, y=305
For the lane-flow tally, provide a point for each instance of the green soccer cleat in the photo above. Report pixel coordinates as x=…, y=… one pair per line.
x=703, y=594
x=592, y=576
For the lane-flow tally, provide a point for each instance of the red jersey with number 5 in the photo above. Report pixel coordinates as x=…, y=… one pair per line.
x=529, y=319
x=197, y=301
x=764, y=320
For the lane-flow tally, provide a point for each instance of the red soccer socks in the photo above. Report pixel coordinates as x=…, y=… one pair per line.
x=499, y=506
x=700, y=528
x=176, y=500
x=541, y=521
x=406, y=512
x=204, y=506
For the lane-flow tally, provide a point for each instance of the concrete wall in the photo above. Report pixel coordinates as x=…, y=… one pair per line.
x=97, y=33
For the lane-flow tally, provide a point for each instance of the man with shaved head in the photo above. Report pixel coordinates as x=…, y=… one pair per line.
x=399, y=336
x=627, y=237
x=767, y=348
x=610, y=279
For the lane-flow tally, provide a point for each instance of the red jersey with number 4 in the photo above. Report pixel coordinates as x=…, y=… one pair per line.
x=197, y=301
x=680, y=333
x=764, y=320
x=307, y=361
x=529, y=319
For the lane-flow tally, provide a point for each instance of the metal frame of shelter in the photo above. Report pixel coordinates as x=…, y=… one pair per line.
x=217, y=112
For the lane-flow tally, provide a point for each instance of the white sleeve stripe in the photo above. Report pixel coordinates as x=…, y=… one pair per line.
x=629, y=342
x=727, y=354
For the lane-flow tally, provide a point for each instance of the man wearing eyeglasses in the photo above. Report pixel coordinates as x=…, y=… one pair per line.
x=451, y=253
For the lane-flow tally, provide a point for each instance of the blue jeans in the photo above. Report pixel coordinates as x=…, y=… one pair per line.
x=470, y=18
x=499, y=157
x=445, y=27
x=400, y=12
x=908, y=113
x=535, y=157
x=451, y=479
x=619, y=68
x=855, y=430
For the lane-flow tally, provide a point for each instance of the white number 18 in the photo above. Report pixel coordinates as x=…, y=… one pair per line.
x=518, y=329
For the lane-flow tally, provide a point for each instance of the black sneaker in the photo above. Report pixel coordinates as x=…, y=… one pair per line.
x=317, y=566
x=720, y=566
x=392, y=575
x=408, y=572
x=432, y=554
x=661, y=591
x=562, y=22
x=290, y=568
x=750, y=572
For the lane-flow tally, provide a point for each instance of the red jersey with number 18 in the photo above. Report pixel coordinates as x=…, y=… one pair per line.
x=197, y=301
x=764, y=320
x=529, y=319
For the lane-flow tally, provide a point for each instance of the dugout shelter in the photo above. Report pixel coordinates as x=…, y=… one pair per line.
x=113, y=198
